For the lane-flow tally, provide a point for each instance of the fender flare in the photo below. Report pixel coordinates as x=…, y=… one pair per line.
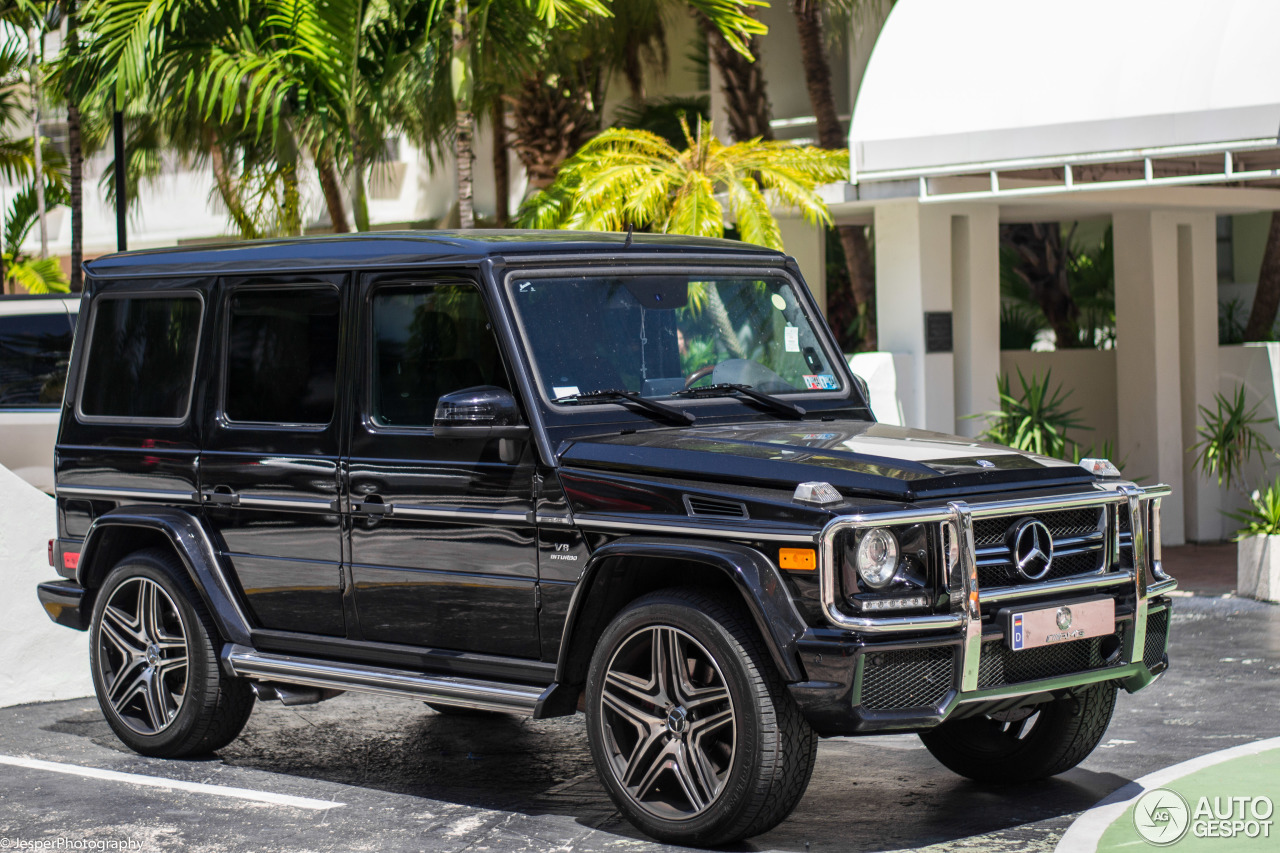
x=753, y=574
x=191, y=542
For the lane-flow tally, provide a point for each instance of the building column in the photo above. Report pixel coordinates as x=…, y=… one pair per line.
x=975, y=297
x=1198, y=338
x=913, y=276
x=808, y=245
x=1148, y=360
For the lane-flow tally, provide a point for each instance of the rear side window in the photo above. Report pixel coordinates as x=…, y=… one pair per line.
x=33, y=359
x=142, y=353
x=282, y=356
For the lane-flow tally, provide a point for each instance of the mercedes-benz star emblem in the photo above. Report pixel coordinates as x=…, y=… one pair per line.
x=985, y=463
x=1064, y=618
x=1031, y=546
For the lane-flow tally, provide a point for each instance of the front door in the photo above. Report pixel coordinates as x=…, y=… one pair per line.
x=269, y=470
x=443, y=549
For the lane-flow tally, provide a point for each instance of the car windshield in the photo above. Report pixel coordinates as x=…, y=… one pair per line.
x=655, y=335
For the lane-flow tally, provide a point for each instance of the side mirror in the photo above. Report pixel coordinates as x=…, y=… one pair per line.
x=861, y=385
x=481, y=412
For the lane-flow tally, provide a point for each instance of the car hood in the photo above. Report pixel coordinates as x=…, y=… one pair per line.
x=859, y=458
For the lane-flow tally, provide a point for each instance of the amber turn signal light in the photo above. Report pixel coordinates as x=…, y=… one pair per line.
x=804, y=559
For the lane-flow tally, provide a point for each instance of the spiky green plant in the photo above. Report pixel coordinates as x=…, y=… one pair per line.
x=1229, y=439
x=1261, y=517
x=1036, y=419
x=633, y=177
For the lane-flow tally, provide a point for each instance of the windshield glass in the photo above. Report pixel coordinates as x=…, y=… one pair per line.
x=658, y=334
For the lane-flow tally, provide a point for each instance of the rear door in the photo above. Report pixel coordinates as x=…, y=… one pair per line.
x=443, y=551
x=269, y=470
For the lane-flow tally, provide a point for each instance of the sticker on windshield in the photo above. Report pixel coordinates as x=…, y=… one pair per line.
x=559, y=391
x=779, y=301
x=821, y=382
x=791, y=337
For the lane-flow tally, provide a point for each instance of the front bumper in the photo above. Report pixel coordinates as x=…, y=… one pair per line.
x=66, y=603
x=909, y=673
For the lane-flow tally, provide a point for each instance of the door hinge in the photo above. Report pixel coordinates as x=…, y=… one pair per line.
x=537, y=596
x=537, y=486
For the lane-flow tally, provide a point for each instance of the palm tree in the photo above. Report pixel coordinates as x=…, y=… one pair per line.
x=636, y=178
x=809, y=15
x=35, y=275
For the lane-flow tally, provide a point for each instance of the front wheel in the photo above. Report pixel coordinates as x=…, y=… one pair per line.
x=1025, y=744
x=154, y=659
x=691, y=728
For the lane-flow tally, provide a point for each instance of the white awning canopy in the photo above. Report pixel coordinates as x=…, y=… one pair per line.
x=1076, y=95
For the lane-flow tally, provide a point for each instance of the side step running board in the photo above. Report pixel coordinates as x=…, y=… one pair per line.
x=335, y=675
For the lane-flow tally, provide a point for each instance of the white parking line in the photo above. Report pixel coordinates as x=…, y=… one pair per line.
x=171, y=784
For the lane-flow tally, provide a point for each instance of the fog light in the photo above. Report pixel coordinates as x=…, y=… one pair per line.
x=908, y=603
x=877, y=558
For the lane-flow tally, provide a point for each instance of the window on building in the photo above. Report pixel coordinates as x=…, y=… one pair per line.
x=142, y=353
x=1226, y=250
x=282, y=356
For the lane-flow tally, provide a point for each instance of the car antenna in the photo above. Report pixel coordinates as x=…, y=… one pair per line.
x=630, y=228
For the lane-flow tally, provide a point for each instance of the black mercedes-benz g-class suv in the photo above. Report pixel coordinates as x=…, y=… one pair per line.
x=540, y=473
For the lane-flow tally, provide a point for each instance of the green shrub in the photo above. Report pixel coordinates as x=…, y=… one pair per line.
x=1262, y=516
x=1229, y=439
x=1036, y=420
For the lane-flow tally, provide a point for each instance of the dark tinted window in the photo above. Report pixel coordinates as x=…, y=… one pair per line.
x=142, y=353
x=33, y=359
x=429, y=341
x=282, y=356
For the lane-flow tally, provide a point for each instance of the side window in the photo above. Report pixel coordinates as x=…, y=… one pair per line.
x=33, y=359
x=282, y=356
x=141, y=361
x=429, y=341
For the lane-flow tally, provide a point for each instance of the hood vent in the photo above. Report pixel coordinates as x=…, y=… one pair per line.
x=699, y=506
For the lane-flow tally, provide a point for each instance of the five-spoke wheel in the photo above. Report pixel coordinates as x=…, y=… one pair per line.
x=691, y=728
x=154, y=659
x=142, y=655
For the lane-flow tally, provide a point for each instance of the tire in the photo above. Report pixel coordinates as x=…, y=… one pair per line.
x=153, y=654
x=1015, y=748
x=716, y=756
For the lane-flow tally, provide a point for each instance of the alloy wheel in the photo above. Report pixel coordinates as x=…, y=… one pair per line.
x=668, y=722
x=143, y=655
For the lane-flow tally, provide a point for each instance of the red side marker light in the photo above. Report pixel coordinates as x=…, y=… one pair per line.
x=50, y=552
x=70, y=559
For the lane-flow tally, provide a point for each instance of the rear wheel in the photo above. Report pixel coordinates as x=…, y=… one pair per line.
x=154, y=659
x=1025, y=744
x=691, y=728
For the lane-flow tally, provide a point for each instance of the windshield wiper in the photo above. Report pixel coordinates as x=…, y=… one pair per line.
x=632, y=397
x=727, y=389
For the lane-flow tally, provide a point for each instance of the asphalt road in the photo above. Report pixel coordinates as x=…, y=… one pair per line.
x=408, y=778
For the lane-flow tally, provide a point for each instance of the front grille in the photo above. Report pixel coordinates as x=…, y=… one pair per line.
x=906, y=678
x=1000, y=665
x=1074, y=554
x=1157, y=638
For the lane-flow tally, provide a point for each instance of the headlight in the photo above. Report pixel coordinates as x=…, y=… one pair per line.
x=877, y=557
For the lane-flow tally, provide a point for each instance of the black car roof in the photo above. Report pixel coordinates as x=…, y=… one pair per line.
x=398, y=248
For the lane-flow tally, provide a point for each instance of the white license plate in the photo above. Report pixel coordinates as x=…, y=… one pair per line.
x=1064, y=622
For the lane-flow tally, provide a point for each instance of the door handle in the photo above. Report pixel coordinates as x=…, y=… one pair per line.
x=222, y=495
x=374, y=505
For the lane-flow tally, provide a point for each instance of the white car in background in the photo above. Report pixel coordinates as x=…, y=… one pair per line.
x=35, y=344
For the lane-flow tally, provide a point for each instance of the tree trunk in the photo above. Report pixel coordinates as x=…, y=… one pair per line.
x=853, y=239
x=1043, y=256
x=230, y=194
x=552, y=119
x=746, y=97
x=37, y=153
x=360, y=199
x=331, y=188
x=1266, y=299
x=464, y=129
x=75, y=157
x=501, y=171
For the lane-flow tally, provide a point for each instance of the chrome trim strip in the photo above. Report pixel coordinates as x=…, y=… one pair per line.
x=419, y=511
x=1137, y=636
x=560, y=520
x=1072, y=679
x=109, y=493
x=271, y=502
x=451, y=690
x=595, y=522
x=1080, y=583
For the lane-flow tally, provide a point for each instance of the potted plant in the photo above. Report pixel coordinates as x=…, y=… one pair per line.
x=1229, y=438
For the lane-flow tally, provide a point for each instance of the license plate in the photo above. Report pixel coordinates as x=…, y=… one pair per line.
x=1047, y=625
